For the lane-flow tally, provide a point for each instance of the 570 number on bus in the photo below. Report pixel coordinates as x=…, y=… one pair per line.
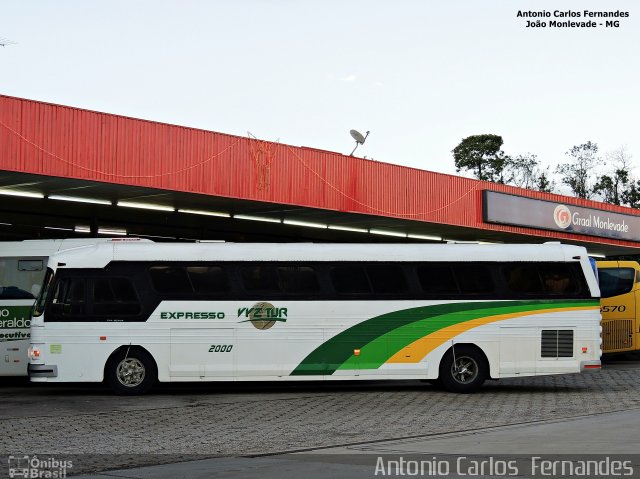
x=613, y=309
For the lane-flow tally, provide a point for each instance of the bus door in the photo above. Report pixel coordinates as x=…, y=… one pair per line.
x=619, y=290
x=202, y=353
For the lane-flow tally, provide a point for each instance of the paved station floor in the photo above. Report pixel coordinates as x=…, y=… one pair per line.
x=222, y=428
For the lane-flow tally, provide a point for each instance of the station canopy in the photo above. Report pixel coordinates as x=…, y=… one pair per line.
x=69, y=172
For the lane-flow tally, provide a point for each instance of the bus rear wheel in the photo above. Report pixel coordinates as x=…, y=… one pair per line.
x=131, y=372
x=463, y=370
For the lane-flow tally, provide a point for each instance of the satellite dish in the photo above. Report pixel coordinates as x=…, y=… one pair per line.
x=356, y=135
x=360, y=139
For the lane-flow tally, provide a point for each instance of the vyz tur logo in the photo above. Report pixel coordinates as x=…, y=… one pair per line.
x=263, y=315
x=562, y=216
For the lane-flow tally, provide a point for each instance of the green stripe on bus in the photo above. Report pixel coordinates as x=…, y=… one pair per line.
x=378, y=351
x=332, y=354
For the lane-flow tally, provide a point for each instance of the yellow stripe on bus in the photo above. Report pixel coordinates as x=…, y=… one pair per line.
x=416, y=351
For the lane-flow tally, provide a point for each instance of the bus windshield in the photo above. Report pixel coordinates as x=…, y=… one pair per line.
x=20, y=278
x=615, y=281
x=38, y=308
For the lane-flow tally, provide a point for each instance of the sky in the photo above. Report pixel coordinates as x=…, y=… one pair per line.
x=420, y=75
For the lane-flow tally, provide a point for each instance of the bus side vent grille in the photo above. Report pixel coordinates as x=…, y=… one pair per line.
x=617, y=335
x=557, y=343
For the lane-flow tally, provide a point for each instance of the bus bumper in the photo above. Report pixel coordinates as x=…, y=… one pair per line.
x=42, y=371
x=594, y=365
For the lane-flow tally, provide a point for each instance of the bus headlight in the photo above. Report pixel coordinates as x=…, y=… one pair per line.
x=34, y=353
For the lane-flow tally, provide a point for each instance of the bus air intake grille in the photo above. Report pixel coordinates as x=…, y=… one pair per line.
x=617, y=335
x=557, y=343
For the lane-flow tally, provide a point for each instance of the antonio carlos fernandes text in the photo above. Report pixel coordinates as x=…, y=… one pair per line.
x=536, y=466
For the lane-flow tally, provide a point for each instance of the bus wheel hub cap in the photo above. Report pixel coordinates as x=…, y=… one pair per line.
x=130, y=372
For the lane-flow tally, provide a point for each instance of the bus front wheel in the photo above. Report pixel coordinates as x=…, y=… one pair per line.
x=463, y=369
x=131, y=371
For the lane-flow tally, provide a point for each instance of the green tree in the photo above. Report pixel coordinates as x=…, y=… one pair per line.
x=520, y=170
x=612, y=186
x=543, y=181
x=525, y=171
x=631, y=195
x=481, y=154
x=577, y=173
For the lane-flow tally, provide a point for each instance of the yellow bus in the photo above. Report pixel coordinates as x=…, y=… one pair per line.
x=619, y=305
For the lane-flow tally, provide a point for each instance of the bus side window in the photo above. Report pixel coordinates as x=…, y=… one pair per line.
x=298, y=279
x=260, y=278
x=522, y=278
x=437, y=279
x=208, y=279
x=115, y=297
x=473, y=278
x=170, y=279
x=349, y=279
x=387, y=278
x=69, y=297
x=557, y=279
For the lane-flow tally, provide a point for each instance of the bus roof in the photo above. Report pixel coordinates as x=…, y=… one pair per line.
x=100, y=255
x=618, y=264
x=47, y=247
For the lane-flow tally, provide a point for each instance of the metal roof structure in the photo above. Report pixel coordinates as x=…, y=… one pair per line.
x=66, y=171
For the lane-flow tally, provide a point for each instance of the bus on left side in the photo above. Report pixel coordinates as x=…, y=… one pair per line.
x=22, y=268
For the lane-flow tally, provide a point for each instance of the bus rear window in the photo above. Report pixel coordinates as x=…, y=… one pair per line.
x=615, y=281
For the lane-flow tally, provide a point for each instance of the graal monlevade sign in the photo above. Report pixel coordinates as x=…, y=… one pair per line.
x=520, y=211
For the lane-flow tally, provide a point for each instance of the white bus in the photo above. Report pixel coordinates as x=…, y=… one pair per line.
x=134, y=314
x=22, y=269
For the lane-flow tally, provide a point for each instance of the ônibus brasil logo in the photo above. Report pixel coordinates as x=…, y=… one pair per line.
x=562, y=216
x=263, y=315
